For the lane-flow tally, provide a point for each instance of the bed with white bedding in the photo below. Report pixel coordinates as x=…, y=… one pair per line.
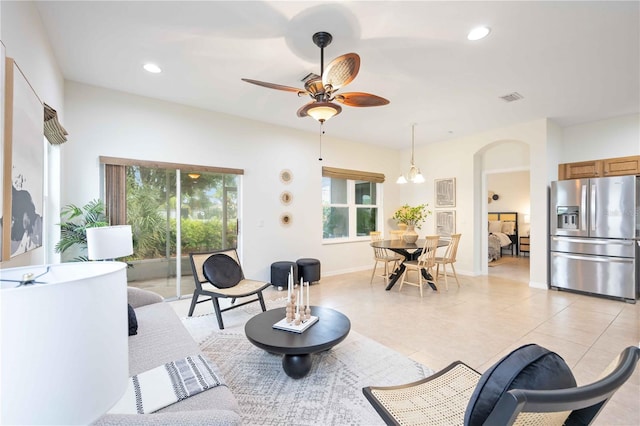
x=503, y=233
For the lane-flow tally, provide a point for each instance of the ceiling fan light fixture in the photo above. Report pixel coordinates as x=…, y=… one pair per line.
x=322, y=111
x=322, y=88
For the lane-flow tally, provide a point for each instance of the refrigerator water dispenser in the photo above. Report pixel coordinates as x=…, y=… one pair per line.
x=568, y=217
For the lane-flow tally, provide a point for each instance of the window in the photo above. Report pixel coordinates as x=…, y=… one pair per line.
x=350, y=204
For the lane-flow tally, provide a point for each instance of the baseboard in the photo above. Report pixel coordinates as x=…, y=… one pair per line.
x=347, y=271
x=541, y=286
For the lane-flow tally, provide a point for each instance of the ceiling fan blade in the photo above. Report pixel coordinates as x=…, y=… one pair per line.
x=361, y=99
x=276, y=86
x=341, y=71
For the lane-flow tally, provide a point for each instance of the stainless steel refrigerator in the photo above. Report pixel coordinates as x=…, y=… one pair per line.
x=595, y=230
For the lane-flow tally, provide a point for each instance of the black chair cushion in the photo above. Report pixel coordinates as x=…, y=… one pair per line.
x=528, y=367
x=222, y=271
x=133, y=322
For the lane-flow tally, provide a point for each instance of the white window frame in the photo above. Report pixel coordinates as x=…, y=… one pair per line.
x=352, y=208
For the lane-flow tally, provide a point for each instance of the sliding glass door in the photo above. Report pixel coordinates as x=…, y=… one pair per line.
x=174, y=212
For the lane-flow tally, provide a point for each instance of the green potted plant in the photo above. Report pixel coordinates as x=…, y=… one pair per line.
x=75, y=221
x=413, y=218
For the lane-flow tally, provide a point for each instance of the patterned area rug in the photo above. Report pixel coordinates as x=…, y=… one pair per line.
x=331, y=394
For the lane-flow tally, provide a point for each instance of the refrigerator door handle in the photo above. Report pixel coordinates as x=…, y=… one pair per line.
x=583, y=209
x=593, y=207
x=594, y=241
x=602, y=259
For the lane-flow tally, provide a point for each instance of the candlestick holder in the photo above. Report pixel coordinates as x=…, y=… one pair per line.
x=291, y=309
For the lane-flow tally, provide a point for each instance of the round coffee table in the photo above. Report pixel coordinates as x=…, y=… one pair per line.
x=331, y=328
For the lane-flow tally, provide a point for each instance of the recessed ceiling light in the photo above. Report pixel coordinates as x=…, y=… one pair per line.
x=153, y=68
x=478, y=33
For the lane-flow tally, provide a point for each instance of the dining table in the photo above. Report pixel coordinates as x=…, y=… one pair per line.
x=410, y=251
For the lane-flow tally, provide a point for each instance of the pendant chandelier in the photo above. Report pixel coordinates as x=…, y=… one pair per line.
x=414, y=174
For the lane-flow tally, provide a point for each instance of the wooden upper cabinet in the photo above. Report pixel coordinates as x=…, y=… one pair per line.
x=600, y=168
x=584, y=169
x=622, y=166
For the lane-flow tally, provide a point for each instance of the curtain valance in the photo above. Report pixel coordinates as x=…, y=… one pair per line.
x=334, y=172
x=114, y=161
x=53, y=130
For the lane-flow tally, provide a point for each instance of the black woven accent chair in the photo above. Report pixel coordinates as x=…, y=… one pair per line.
x=217, y=275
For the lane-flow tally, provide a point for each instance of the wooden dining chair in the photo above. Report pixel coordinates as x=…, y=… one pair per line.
x=449, y=258
x=396, y=234
x=425, y=262
x=382, y=255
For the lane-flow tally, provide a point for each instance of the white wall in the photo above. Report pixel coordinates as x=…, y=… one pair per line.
x=25, y=40
x=615, y=137
x=103, y=122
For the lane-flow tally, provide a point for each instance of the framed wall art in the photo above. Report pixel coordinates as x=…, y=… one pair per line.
x=445, y=192
x=445, y=223
x=23, y=168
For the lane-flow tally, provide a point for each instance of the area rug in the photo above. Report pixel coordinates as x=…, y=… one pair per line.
x=331, y=394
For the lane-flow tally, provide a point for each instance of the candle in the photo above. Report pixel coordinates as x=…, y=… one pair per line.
x=308, y=294
x=302, y=292
x=289, y=285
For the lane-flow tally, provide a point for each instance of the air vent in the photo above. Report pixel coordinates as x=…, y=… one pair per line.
x=514, y=96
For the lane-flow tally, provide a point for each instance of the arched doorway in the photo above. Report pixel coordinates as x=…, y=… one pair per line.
x=499, y=163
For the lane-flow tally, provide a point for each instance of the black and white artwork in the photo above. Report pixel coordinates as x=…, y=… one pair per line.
x=445, y=192
x=445, y=223
x=24, y=192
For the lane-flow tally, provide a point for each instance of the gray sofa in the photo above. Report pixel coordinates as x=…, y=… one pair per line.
x=162, y=338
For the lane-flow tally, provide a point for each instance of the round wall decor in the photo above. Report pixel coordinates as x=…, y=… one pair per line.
x=286, y=176
x=286, y=197
x=285, y=219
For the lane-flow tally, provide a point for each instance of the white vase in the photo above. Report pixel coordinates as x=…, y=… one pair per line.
x=410, y=235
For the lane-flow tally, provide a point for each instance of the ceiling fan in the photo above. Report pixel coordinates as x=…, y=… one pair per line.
x=323, y=88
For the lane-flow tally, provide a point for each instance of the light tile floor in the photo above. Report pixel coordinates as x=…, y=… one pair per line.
x=484, y=320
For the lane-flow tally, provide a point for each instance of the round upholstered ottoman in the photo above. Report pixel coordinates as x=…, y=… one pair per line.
x=308, y=269
x=280, y=273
